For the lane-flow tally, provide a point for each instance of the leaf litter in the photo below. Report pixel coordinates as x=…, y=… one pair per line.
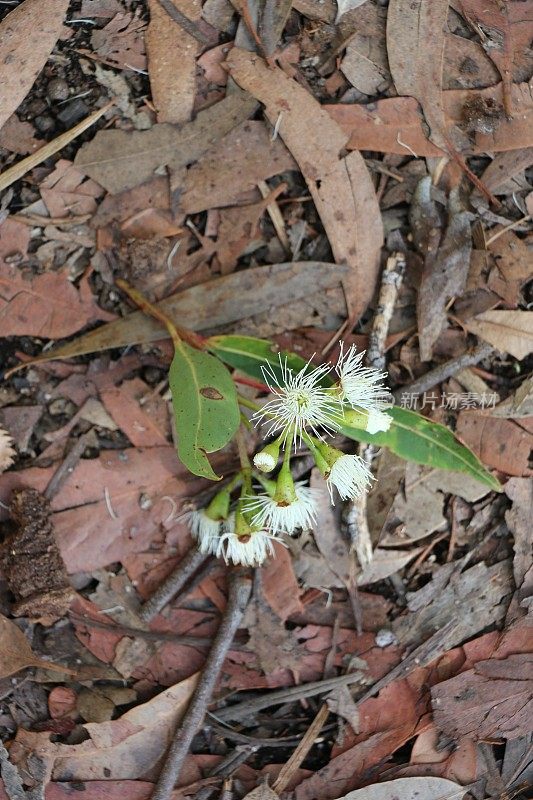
x=263, y=196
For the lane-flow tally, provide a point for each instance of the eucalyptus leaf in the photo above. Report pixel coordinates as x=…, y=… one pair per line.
x=411, y=436
x=205, y=406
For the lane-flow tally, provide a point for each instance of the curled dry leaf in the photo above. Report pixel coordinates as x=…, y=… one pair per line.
x=341, y=187
x=121, y=749
x=7, y=452
x=27, y=37
x=16, y=653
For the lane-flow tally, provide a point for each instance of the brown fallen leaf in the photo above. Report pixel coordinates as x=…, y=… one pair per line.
x=46, y=305
x=121, y=749
x=507, y=331
x=66, y=193
x=512, y=269
x=210, y=305
x=518, y=518
x=341, y=187
x=14, y=241
x=16, y=653
x=494, y=700
x=234, y=166
x=280, y=586
x=119, y=160
x=121, y=42
x=415, y=47
x=172, y=79
x=445, y=270
x=416, y=788
x=500, y=443
x=395, y=125
x=27, y=37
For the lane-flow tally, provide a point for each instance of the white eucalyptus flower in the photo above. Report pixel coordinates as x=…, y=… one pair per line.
x=362, y=387
x=251, y=549
x=285, y=517
x=350, y=475
x=300, y=403
x=205, y=530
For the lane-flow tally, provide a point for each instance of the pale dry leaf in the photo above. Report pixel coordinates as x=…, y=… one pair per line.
x=517, y=405
x=410, y=789
x=507, y=331
x=386, y=562
x=120, y=749
x=341, y=187
x=119, y=160
x=27, y=37
x=415, y=46
x=262, y=792
x=518, y=518
x=346, y=5
x=7, y=451
x=172, y=77
x=121, y=42
x=16, y=653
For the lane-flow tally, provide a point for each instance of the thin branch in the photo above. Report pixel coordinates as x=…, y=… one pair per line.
x=184, y=22
x=173, y=584
x=445, y=371
x=239, y=593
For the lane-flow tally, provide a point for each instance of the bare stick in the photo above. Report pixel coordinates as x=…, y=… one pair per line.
x=444, y=371
x=66, y=468
x=187, y=24
x=355, y=511
x=288, y=769
x=239, y=594
x=173, y=584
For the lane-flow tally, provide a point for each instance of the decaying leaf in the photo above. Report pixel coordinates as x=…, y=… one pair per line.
x=518, y=518
x=16, y=653
x=121, y=42
x=118, y=160
x=500, y=443
x=517, y=405
x=341, y=187
x=508, y=331
x=27, y=37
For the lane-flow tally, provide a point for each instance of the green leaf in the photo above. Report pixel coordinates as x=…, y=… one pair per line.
x=411, y=436
x=418, y=439
x=205, y=407
x=248, y=354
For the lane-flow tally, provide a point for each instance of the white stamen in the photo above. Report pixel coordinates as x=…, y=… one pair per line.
x=275, y=518
x=350, y=476
x=378, y=421
x=362, y=387
x=205, y=530
x=251, y=551
x=299, y=402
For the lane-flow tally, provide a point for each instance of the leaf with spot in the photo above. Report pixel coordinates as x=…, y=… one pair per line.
x=205, y=407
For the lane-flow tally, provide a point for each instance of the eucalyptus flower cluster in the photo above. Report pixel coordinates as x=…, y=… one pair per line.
x=305, y=409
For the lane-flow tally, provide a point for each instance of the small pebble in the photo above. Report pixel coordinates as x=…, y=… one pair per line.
x=385, y=637
x=57, y=89
x=36, y=107
x=44, y=123
x=145, y=502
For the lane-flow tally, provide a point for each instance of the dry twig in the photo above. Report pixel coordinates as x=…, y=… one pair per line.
x=239, y=593
x=173, y=584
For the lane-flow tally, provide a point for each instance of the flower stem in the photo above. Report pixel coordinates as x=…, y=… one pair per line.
x=177, y=333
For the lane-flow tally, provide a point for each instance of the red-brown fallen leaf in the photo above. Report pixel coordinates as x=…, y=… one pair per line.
x=279, y=585
x=499, y=443
x=18, y=137
x=395, y=125
x=27, y=37
x=121, y=42
x=140, y=414
x=62, y=702
x=494, y=700
x=66, y=192
x=46, y=305
x=341, y=187
x=14, y=241
x=98, y=517
x=172, y=79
